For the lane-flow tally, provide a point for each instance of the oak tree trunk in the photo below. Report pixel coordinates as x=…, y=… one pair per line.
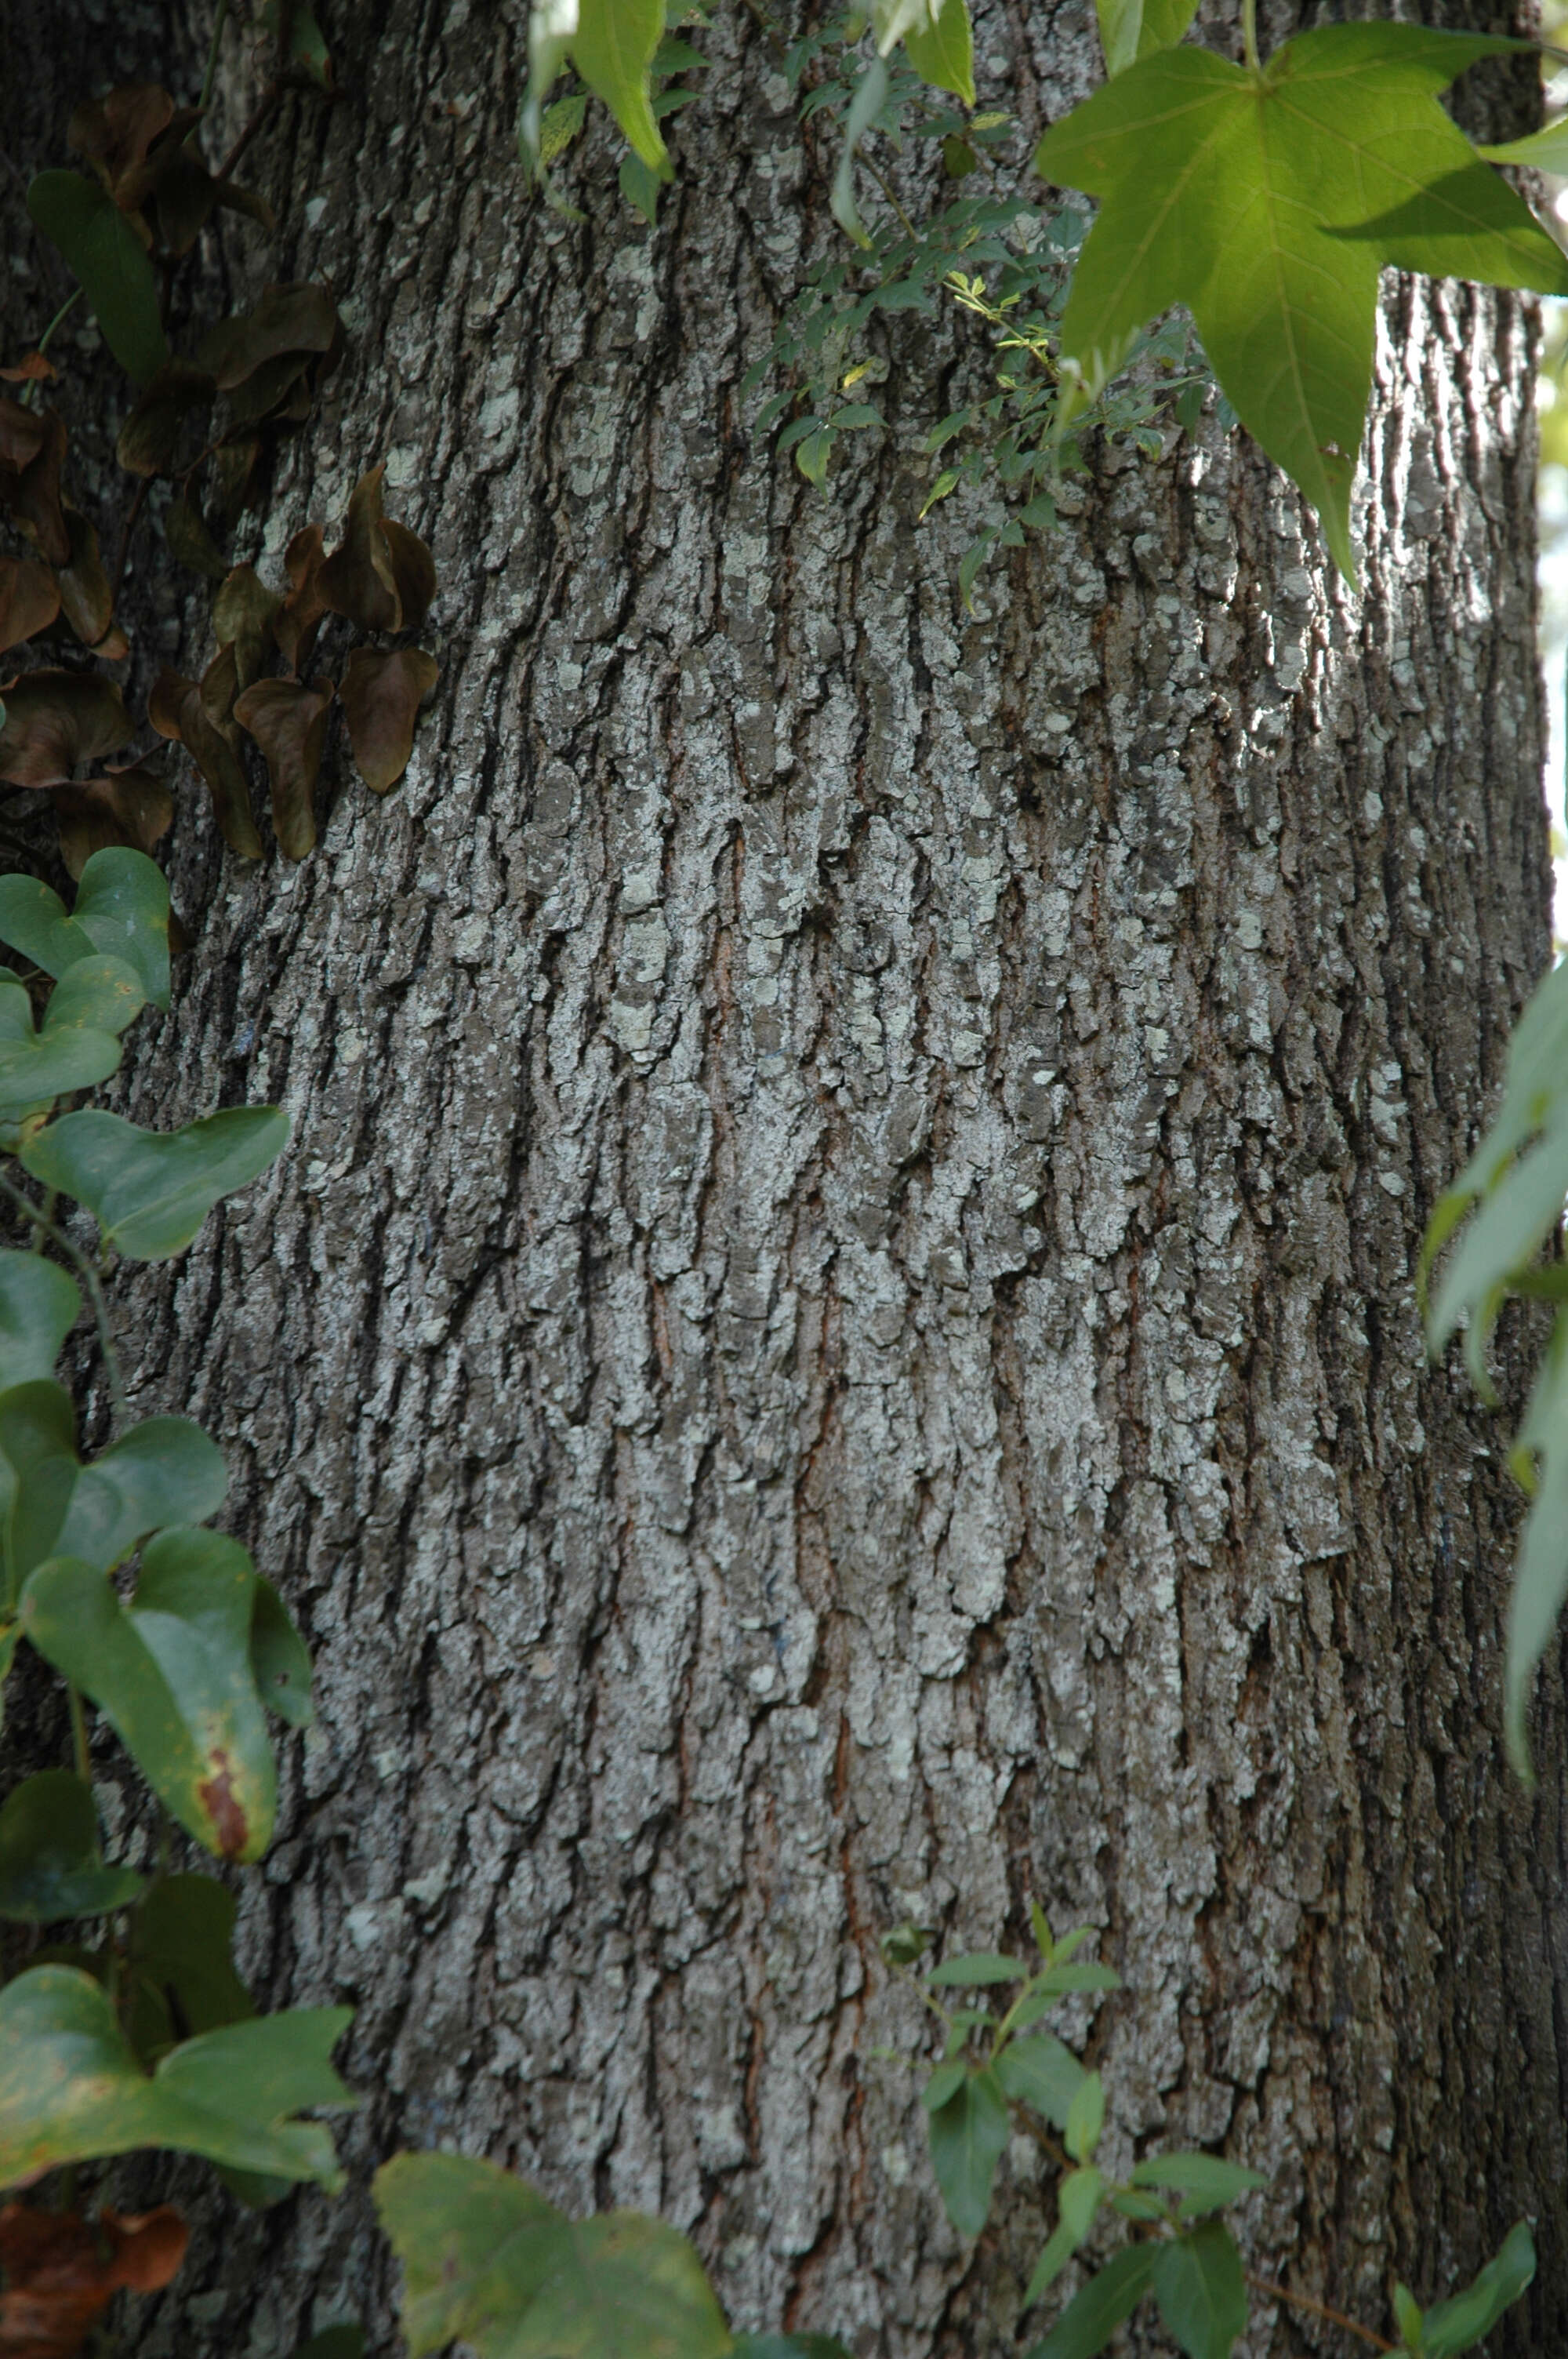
x=836, y=1337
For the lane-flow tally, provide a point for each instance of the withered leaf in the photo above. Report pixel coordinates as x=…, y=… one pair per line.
x=86, y=597
x=270, y=391
x=234, y=476
x=60, y=2271
x=244, y=613
x=150, y=438
x=29, y=600
x=357, y=579
x=220, y=684
x=55, y=720
x=189, y=542
x=288, y=721
x=115, y=133
x=177, y=710
x=299, y=318
x=381, y=697
x=185, y=193
x=22, y=434
x=413, y=569
x=32, y=451
x=31, y=367
x=295, y=626
x=130, y=806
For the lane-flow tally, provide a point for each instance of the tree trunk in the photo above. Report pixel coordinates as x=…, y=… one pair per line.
x=836, y=1340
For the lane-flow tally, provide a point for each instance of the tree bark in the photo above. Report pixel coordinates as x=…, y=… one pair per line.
x=835, y=1340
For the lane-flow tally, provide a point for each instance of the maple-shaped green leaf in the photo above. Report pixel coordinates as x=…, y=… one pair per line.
x=1232, y=190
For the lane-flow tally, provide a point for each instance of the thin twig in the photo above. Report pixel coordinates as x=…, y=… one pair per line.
x=89, y=1275
x=1318, y=2309
x=218, y=20
x=268, y=100
x=73, y=298
x=79, y=1754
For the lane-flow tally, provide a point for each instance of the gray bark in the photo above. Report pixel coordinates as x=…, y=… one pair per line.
x=835, y=1337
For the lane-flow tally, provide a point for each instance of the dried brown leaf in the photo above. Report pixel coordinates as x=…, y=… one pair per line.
x=288, y=721
x=235, y=467
x=130, y=806
x=414, y=571
x=189, y=542
x=29, y=369
x=32, y=451
x=300, y=318
x=29, y=600
x=86, y=595
x=55, y=720
x=381, y=698
x=61, y=2270
x=299, y=617
x=244, y=614
x=150, y=438
x=357, y=579
x=176, y=709
x=117, y=132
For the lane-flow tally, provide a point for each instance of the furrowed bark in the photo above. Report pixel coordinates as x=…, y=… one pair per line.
x=836, y=1337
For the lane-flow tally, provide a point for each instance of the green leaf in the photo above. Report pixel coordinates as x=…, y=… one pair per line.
x=612, y=48
x=967, y=2136
x=165, y=1471
x=151, y=1191
x=488, y=2262
x=173, y=1673
x=1518, y=1178
x=639, y=184
x=1543, y=151
x=1042, y=2071
x=181, y=1948
x=1407, y=2317
x=1085, y=2119
x=1456, y=2324
x=1202, y=2292
x=1056, y=1982
x=121, y=908
x=306, y=44
x=51, y=1865
x=943, y=2082
x=941, y=47
x=71, y=1051
x=1205, y=2180
x=1077, y=2202
x=870, y=91
x=980, y=1966
x=345, y=2341
x=1098, y=2309
x=109, y=263
x=72, y=2090
x=1223, y=190
x=561, y=123
x=1130, y=29
x=39, y=1305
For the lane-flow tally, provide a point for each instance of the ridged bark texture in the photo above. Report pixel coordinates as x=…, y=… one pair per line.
x=836, y=1339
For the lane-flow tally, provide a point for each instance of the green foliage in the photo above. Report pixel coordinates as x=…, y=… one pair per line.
x=122, y=910
x=1201, y=2291
x=151, y=1191
x=72, y=2087
x=1515, y=1185
x=53, y=1504
x=173, y=1671
x=38, y=1308
x=1465, y=2318
x=109, y=263
x=1266, y=201
x=50, y=1864
x=1130, y=29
